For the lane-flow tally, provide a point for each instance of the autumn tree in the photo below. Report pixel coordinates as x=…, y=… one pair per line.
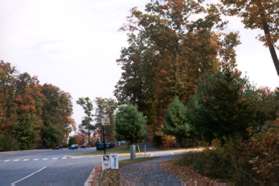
x=7, y=96
x=86, y=123
x=171, y=44
x=27, y=128
x=31, y=115
x=259, y=14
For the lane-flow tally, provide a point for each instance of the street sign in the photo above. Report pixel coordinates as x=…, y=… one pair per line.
x=106, y=162
x=110, y=161
x=114, y=161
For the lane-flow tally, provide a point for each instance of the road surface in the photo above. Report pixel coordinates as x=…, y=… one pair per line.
x=46, y=167
x=61, y=167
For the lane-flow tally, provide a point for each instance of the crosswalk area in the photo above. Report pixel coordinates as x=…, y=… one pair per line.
x=37, y=159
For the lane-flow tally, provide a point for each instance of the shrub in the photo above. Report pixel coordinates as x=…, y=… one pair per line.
x=209, y=163
x=262, y=157
x=253, y=162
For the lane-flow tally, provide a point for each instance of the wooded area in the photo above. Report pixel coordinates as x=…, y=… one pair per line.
x=32, y=115
x=180, y=70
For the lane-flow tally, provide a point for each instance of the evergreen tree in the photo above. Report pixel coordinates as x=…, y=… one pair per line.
x=226, y=105
x=176, y=122
x=130, y=124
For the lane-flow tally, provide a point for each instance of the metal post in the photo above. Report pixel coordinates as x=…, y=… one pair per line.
x=88, y=135
x=133, y=152
x=144, y=149
x=104, y=140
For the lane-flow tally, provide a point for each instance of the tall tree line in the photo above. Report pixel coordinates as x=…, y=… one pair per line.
x=171, y=45
x=32, y=115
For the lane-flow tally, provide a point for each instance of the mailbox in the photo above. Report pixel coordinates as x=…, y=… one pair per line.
x=114, y=161
x=110, y=161
x=106, y=162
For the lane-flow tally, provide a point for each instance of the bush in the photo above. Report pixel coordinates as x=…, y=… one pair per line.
x=261, y=158
x=210, y=163
x=253, y=162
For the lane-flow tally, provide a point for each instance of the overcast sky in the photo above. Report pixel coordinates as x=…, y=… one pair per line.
x=73, y=44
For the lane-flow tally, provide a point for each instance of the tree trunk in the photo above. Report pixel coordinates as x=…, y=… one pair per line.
x=271, y=48
x=268, y=37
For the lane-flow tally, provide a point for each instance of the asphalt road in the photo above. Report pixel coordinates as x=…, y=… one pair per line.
x=61, y=167
x=46, y=167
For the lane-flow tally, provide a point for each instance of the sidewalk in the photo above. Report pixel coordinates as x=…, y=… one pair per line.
x=154, y=153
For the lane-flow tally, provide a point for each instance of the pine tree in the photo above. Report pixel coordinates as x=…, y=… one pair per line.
x=176, y=122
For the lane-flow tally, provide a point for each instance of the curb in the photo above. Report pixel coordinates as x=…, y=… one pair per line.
x=90, y=180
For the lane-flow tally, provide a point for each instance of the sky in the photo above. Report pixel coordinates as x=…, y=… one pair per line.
x=74, y=44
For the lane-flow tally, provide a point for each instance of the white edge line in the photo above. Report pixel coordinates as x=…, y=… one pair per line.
x=32, y=174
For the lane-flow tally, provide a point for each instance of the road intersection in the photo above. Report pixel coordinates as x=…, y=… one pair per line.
x=46, y=167
x=61, y=167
